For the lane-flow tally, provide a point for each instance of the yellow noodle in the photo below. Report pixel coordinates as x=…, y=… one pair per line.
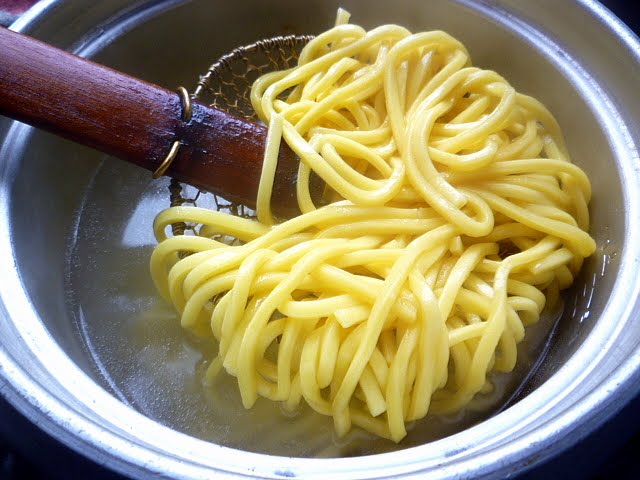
x=452, y=216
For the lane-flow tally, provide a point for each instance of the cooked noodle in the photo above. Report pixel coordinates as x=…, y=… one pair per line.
x=452, y=214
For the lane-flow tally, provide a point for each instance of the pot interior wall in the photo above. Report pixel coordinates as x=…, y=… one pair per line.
x=82, y=221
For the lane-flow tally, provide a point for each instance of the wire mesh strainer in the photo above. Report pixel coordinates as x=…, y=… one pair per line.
x=227, y=86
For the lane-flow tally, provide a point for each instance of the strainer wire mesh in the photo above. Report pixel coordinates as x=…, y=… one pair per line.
x=227, y=86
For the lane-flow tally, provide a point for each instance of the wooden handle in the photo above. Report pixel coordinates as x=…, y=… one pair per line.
x=137, y=121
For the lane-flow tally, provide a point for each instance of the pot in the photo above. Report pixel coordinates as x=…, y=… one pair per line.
x=90, y=355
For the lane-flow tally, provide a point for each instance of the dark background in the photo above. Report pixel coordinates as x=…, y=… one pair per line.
x=612, y=452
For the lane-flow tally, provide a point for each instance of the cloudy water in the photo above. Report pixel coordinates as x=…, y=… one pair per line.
x=146, y=359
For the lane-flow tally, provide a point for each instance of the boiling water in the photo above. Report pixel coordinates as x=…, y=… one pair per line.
x=143, y=357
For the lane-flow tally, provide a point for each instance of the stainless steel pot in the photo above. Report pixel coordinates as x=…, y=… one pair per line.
x=77, y=358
